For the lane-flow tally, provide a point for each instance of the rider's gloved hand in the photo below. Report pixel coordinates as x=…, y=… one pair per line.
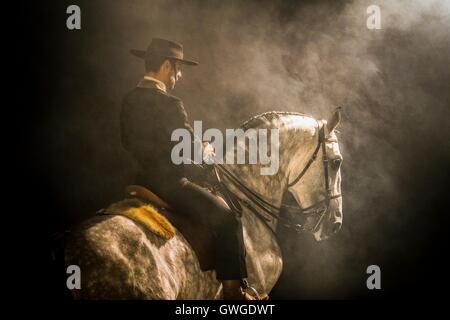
x=203, y=173
x=208, y=153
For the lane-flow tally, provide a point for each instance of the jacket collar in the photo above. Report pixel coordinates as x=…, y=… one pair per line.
x=150, y=82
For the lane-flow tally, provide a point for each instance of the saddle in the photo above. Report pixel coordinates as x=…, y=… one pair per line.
x=163, y=221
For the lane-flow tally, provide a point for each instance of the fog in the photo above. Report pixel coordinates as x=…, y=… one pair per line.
x=311, y=57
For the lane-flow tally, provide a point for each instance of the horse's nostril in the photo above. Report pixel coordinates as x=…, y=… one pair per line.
x=337, y=227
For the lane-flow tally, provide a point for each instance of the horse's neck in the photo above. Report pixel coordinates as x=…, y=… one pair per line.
x=264, y=262
x=270, y=188
x=295, y=143
x=264, y=258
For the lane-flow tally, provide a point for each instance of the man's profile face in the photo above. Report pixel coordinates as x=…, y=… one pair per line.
x=174, y=74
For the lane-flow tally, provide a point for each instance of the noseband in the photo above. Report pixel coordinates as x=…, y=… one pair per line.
x=319, y=209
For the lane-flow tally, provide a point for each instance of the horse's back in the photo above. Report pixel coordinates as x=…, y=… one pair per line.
x=119, y=259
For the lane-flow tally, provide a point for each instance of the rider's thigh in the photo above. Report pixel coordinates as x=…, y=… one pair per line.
x=198, y=202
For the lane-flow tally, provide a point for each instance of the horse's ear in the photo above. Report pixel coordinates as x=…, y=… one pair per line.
x=335, y=119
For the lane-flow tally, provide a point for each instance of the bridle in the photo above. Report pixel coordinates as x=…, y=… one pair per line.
x=318, y=209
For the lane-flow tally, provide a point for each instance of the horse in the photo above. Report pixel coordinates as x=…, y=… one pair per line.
x=119, y=259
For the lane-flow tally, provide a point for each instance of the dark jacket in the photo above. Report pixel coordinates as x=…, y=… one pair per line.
x=148, y=118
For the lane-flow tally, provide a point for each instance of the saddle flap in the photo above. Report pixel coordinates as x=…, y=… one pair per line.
x=200, y=237
x=146, y=214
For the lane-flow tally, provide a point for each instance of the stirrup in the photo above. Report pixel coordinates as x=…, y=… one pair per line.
x=250, y=290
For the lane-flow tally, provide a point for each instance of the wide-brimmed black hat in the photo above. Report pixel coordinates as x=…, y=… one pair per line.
x=164, y=48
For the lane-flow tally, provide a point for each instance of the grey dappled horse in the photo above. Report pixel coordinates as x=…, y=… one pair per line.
x=121, y=260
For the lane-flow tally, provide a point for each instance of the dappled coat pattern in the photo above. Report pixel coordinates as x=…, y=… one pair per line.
x=120, y=259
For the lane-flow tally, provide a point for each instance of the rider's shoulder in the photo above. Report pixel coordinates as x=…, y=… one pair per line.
x=172, y=98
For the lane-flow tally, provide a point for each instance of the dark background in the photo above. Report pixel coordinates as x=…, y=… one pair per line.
x=256, y=56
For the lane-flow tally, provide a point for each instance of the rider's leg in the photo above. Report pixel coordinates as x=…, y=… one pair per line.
x=202, y=206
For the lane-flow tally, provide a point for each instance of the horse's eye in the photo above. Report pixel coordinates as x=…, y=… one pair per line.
x=336, y=163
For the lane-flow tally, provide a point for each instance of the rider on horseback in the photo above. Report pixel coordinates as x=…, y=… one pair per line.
x=148, y=118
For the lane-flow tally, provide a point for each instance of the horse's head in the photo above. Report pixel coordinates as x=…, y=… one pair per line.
x=316, y=185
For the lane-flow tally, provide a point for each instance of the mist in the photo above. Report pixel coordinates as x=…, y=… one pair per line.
x=257, y=56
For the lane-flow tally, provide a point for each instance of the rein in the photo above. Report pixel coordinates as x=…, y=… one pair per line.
x=317, y=209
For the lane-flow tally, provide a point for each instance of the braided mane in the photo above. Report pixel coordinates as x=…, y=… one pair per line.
x=269, y=116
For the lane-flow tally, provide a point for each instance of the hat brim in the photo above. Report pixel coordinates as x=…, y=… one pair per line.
x=141, y=54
